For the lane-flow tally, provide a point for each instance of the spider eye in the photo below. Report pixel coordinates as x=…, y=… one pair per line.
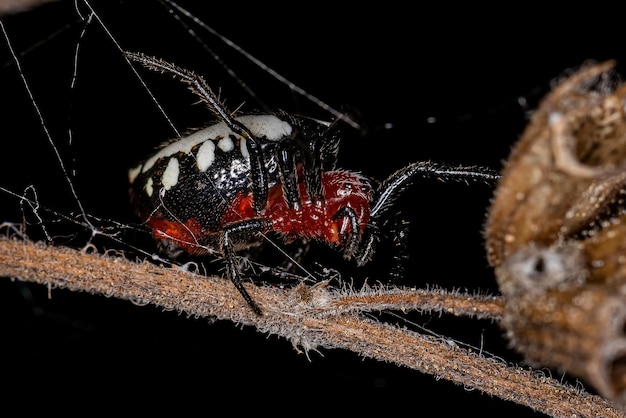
x=345, y=189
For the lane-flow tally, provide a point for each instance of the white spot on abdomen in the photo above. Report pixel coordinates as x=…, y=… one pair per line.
x=148, y=187
x=170, y=175
x=205, y=155
x=244, y=148
x=226, y=144
x=268, y=126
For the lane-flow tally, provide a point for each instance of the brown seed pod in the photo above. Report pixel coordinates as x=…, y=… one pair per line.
x=556, y=232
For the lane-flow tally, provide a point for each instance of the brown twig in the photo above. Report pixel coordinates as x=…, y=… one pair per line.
x=423, y=300
x=309, y=317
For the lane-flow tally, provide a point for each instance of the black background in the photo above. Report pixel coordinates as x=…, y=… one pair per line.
x=464, y=68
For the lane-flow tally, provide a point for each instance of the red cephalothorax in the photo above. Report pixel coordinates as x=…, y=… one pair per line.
x=313, y=219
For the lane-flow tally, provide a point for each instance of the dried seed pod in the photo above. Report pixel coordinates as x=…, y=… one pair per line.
x=566, y=168
x=556, y=232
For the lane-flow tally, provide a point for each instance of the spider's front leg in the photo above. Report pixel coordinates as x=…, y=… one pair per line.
x=199, y=86
x=381, y=206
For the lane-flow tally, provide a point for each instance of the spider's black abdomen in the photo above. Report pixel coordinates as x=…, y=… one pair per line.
x=199, y=175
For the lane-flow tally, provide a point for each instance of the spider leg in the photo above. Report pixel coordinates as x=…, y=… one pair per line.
x=199, y=86
x=287, y=168
x=399, y=231
x=321, y=154
x=313, y=155
x=392, y=187
x=245, y=231
x=366, y=249
x=258, y=172
x=313, y=170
